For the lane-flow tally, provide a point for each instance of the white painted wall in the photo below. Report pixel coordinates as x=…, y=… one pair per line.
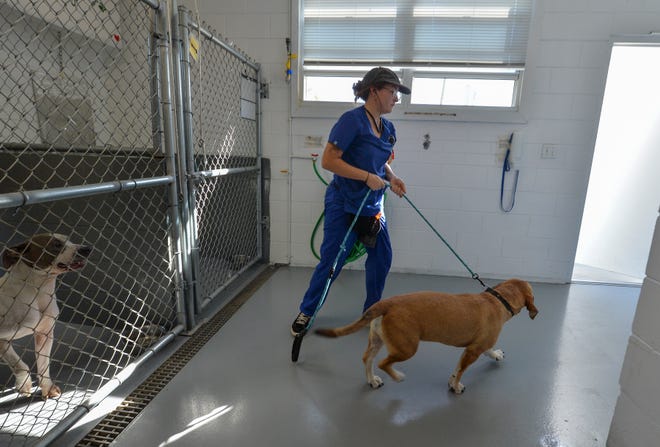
x=624, y=188
x=456, y=182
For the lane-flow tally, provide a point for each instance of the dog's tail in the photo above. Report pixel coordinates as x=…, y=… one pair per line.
x=372, y=313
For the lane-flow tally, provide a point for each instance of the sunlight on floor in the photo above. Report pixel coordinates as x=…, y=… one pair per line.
x=34, y=417
x=198, y=423
x=589, y=274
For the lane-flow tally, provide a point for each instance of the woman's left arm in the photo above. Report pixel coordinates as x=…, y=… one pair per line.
x=397, y=185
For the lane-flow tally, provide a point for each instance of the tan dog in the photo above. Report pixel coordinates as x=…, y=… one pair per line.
x=472, y=321
x=27, y=302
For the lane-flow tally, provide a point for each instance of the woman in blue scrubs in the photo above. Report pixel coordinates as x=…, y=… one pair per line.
x=358, y=150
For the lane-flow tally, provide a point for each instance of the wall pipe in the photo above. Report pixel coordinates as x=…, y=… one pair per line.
x=170, y=156
x=24, y=198
x=154, y=4
x=162, y=75
x=181, y=22
x=128, y=152
x=261, y=221
x=183, y=145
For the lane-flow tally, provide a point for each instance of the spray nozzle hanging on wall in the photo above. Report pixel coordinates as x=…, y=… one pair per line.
x=506, y=167
x=289, y=56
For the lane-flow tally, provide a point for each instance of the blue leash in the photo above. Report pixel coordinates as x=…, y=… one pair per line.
x=489, y=289
x=506, y=167
x=297, y=341
x=474, y=275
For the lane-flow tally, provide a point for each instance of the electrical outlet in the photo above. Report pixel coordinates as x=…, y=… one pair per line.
x=548, y=151
x=313, y=141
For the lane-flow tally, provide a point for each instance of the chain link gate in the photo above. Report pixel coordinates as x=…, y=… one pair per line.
x=223, y=156
x=88, y=139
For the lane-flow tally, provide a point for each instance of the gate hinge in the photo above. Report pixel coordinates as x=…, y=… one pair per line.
x=263, y=90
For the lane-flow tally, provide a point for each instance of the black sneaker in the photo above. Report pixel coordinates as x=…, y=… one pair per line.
x=299, y=324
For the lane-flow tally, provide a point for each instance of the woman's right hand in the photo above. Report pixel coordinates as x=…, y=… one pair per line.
x=374, y=182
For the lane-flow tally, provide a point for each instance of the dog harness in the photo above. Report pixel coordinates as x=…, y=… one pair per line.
x=497, y=295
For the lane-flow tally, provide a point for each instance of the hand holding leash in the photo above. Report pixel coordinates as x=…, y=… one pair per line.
x=397, y=186
x=374, y=182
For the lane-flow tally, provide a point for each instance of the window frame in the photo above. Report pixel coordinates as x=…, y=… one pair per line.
x=404, y=110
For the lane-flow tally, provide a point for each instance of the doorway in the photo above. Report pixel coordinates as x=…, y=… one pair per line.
x=623, y=196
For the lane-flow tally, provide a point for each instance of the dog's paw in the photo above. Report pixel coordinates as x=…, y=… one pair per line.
x=398, y=375
x=497, y=355
x=455, y=386
x=50, y=391
x=23, y=385
x=457, y=389
x=376, y=382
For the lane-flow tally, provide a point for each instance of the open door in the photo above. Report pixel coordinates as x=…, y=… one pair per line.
x=624, y=186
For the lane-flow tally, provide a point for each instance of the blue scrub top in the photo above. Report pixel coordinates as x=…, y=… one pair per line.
x=361, y=148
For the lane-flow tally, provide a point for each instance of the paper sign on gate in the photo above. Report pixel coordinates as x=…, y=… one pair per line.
x=194, y=48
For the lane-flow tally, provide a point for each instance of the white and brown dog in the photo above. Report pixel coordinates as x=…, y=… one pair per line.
x=470, y=321
x=28, y=305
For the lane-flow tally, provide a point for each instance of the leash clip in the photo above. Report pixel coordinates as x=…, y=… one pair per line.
x=476, y=276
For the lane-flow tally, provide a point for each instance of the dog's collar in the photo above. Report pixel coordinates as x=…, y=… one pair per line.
x=497, y=295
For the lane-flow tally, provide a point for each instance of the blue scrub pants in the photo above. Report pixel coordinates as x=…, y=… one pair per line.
x=335, y=226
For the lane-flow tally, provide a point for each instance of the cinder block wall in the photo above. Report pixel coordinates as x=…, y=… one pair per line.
x=456, y=181
x=636, y=421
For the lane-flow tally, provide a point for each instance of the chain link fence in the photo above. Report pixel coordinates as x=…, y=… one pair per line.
x=96, y=145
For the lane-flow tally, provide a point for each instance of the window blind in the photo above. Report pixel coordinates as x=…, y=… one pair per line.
x=415, y=32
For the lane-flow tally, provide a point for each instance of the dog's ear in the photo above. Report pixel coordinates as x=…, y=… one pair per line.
x=533, y=311
x=529, y=300
x=531, y=308
x=12, y=255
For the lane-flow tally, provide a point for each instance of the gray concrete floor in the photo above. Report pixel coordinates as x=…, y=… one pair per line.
x=557, y=385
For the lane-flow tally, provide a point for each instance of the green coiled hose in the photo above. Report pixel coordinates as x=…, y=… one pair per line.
x=357, y=251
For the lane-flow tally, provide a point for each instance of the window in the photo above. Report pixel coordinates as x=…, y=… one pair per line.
x=466, y=54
